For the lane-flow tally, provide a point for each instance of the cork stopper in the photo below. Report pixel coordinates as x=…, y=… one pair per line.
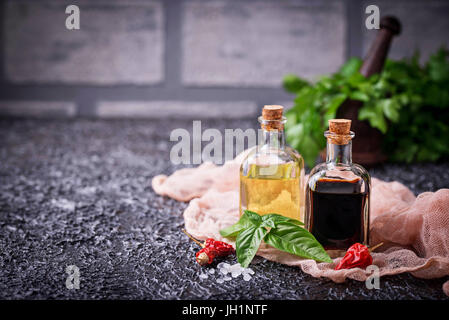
x=339, y=131
x=272, y=117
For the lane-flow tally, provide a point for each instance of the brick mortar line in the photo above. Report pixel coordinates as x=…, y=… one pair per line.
x=172, y=13
x=354, y=23
x=2, y=42
x=92, y=95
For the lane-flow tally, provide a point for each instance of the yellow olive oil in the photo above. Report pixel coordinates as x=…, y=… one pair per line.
x=273, y=189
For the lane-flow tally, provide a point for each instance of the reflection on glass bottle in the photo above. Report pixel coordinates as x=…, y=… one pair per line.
x=338, y=193
x=272, y=175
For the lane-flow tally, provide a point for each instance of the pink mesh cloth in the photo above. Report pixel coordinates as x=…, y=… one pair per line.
x=415, y=230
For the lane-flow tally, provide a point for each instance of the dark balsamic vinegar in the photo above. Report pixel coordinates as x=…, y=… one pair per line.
x=337, y=213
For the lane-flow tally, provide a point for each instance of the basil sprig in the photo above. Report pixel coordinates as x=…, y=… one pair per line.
x=408, y=102
x=281, y=232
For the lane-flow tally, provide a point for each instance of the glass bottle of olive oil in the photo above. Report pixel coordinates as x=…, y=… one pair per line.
x=272, y=175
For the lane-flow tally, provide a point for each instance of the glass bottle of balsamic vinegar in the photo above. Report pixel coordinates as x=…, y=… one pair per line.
x=338, y=193
x=272, y=174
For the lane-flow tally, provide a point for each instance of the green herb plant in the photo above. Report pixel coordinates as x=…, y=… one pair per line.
x=407, y=102
x=283, y=233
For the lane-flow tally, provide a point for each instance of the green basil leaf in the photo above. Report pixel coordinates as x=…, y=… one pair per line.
x=359, y=95
x=233, y=231
x=247, y=244
x=356, y=79
x=269, y=223
x=277, y=218
x=305, y=98
x=390, y=108
x=333, y=106
x=374, y=114
x=350, y=67
x=247, y=220
x=295, y=130
x=294, y=239
x=253, y=217
x=309, y=150
x=293, y=84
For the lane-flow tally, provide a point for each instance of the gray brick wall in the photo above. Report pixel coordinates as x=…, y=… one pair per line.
x=186, y=58
x=257, y=43
x=118, y=42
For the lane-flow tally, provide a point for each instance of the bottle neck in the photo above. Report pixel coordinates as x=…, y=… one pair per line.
x=273, y=139
x=339, y=153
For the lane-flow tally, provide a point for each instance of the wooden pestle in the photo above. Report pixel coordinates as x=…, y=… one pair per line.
x=367, y=146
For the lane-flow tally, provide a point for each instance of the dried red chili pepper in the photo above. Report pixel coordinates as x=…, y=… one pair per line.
x=211, y=248
x=205, y=256
x=223, y=249
x=357, y=256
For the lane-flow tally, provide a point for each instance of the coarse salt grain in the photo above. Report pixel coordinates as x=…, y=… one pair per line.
x=235, y=267
x=246, y=277
x=227, y=272
x=224, y=271
x=247, y=271
x=236, y=273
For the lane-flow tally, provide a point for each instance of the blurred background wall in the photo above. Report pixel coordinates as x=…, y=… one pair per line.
x=209, y=58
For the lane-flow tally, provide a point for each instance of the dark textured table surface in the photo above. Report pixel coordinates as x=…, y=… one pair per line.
x=79, y=193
